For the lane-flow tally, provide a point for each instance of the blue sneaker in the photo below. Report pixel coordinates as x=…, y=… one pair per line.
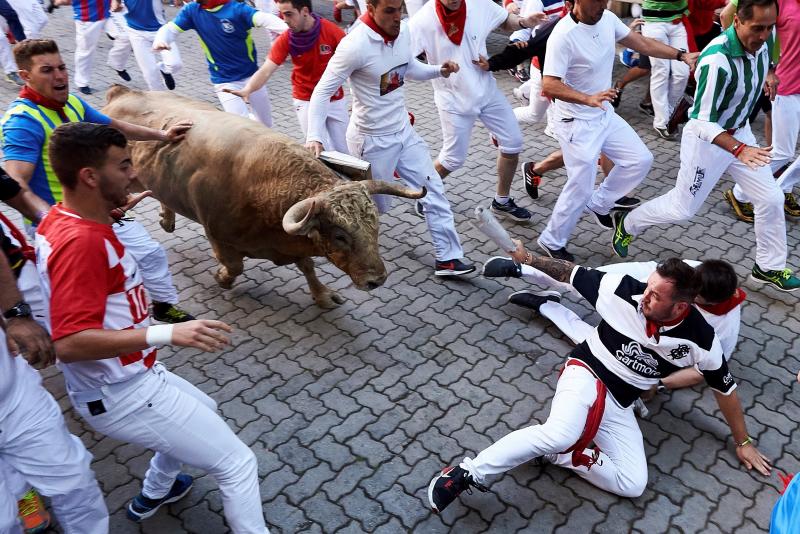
x=629, y=58
x=142, y=507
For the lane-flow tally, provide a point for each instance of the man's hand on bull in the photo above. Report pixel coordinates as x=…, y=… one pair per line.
x=448, y=68
x=315, y=147
x=242, y=93
x=203, y=334
x=158, y=46
x=177, y=131
x=118, y=213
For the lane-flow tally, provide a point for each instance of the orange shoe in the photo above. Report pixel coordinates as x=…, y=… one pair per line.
x=34, y=516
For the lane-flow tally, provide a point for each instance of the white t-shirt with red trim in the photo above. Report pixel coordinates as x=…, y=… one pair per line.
x=91, y=282
x=467, y=90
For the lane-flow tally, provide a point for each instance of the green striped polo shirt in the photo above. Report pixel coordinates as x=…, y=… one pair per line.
x=664, y=10
x=729, y=81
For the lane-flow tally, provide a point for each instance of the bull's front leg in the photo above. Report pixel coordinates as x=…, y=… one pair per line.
x=324, y=296
x=167, y=221
x=231, y=263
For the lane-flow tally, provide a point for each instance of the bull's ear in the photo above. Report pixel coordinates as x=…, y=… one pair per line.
x=302, y=217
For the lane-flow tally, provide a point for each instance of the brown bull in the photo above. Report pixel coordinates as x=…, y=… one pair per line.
x=256, y=192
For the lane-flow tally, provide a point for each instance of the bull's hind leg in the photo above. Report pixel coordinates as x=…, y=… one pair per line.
x=324, y=296
x=231, y=263
x=167, y=221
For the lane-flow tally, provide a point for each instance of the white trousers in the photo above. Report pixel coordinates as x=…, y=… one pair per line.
x=151, y=67
x=581, y=143
x=785, y=129
x=259, y=101
x=37, y=450
x=335, y=124
x=6, y=54
x=87, y=34
x=31, y=15
x=151, y=259
x=498, y=117
x=668, y=77
x=702, y=165
x=167, y=414
x=537, y=106
x=407, y=153
x=621, y=467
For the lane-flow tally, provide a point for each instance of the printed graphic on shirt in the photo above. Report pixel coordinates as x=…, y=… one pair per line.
x=393, y=79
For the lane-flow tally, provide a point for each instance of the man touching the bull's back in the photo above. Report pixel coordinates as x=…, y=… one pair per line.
x=44, y=103
x=376, y=57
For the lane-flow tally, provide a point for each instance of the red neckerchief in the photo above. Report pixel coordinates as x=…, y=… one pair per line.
x=651, y=327
x=367, y=19
x=211, y=4
x=40, y=100
x=725, y=306
x=592, y=425
x=452, y=21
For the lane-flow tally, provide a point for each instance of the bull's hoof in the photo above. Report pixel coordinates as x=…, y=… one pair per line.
x=329, y=299
x=224, y=281
x=167, y=225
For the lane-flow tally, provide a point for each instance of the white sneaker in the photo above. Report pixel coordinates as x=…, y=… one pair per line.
x=518, y=94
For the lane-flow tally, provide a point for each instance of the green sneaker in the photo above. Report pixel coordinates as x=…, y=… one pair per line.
x=783, y=280
x=621, y=238
x=169, y=313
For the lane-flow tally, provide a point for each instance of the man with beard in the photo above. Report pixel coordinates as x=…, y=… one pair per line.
x=648, y=332
x=107, y=348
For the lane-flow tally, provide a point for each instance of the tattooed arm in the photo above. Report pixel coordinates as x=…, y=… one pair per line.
x=559, y=270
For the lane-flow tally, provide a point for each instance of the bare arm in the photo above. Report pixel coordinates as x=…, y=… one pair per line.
x=22, y=172
x=515, y=22
x=134, y=132
x=731, y=410
x=653, y=48
x=256, y=81
x=726, y=15
x=553, y=87
x=99, y=344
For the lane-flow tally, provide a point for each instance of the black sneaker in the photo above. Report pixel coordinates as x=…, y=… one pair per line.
x=647, y=107
x=603, y=221
x=500, y=267
x=626, y=203
x=533, y=299
x=559, y=254
x=453, y=268
x=532, y=179
x=511, y=211
x=449, y=484
x=169, y=313
x=142, y=507
x=124, y=75
x=85, y=90
x=512, y=72
x=522, y=75
x=168, y=80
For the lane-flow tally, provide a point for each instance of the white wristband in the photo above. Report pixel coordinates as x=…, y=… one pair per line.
x=157, y=335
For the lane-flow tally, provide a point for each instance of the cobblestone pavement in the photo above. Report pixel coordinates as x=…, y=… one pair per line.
x=351, y=411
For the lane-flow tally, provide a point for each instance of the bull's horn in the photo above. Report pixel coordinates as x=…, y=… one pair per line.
x=299, y=219
x=380, y=187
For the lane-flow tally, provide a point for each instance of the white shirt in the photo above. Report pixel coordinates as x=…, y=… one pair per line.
x=377, y=72
x=464, y=91
x=583, y=57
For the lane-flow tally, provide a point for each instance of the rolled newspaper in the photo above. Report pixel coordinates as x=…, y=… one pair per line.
x=487, y=223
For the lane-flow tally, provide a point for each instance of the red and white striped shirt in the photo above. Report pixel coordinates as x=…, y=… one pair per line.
x=91, y=282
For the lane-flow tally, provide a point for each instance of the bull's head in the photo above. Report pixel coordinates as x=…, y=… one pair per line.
x=343, y=222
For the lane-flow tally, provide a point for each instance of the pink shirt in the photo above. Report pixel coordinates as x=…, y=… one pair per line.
x=788, y=26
